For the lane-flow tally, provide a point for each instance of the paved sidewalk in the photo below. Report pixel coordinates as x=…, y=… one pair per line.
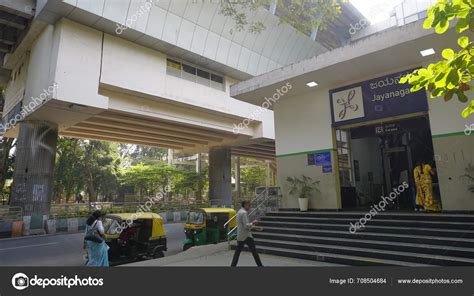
x=220, y=255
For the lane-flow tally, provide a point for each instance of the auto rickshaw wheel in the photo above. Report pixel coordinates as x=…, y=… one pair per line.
x=187, y=246
x=158, y=254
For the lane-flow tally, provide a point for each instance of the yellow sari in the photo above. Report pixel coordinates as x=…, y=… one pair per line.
x=420, y=200
x=431, y=203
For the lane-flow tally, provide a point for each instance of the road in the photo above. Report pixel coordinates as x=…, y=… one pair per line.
x=65, y=249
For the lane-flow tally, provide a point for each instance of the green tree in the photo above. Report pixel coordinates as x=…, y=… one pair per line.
x=452, y=75
x=69, y=179
x=147, y=155
x=304, y=15
x=6, y=160
x=148, y=179
x=83, y=164
x=101, y=168
x=252, y=177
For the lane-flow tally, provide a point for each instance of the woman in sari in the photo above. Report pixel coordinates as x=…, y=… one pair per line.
x=431, y=203
x=94, y=241
x=420, y=199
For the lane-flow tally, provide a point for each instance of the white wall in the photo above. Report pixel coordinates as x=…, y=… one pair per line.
x=303, y=123
x=15, y=88
x=78, y=65
x=198, y=27
x=445, y=117
x=134, y=68
x=41, y=65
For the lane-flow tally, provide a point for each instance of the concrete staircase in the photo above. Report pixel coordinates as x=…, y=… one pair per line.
x=400, y=239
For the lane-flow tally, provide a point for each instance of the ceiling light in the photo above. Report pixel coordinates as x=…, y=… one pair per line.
x=427, y=52
x=312, y=84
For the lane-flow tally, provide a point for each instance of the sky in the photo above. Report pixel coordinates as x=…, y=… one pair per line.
x=375, y=10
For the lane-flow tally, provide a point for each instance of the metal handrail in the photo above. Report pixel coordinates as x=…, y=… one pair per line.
x=264, y=195
x=253, y=201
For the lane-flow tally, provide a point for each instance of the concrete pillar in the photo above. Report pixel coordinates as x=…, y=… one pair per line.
x=32, y=186
x=170, y=156
x=267, y=173
x=220, y=184
x=198, y=171
x=237, y=177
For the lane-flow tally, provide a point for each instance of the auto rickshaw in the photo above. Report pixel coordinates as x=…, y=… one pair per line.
x=206, y=226
x=133, y=237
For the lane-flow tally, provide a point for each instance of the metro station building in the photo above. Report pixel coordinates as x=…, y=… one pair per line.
x=172, y=74
x=348, y=123
x=154, y=73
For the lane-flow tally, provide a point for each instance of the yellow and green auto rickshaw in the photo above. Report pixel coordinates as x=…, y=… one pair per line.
x=206, y=226
x=132, y=237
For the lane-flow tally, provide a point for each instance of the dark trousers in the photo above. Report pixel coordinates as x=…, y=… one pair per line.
x=240, y=246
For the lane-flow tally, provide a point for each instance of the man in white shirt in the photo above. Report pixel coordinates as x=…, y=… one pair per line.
x=244, y=234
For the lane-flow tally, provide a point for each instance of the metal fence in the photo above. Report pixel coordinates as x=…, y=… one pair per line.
x=84, y=209
x=8, y=213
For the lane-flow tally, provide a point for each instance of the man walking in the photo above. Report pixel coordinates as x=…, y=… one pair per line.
x=244, y=235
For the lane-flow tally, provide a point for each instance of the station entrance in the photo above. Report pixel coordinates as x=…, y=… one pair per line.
x=375, y=159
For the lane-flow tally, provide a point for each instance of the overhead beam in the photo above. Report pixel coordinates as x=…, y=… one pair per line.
x=12, y=20
x=147, y=142
x=263, y=144
x=257, y=149
x=125, y=137
x=23, y=8
x=154, y=130
x=258, y=156
x=73, y=135
x=162, y=124
x=8, y=35
x=144, y=134
x=246, y=152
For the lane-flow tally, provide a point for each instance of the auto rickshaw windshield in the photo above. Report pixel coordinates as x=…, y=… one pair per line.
x=195, y=218
x=111, y=226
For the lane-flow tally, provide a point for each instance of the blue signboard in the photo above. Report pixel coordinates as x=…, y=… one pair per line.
x=322, y=159
x=327, y=169
x=375, y=99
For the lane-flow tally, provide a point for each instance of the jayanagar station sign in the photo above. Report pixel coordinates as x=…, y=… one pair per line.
x=375, y=99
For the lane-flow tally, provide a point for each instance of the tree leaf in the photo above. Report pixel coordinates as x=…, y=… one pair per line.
x=462, y=25
x=428, y=23
x=463, y=41
x=448, y=54
x=466, y=112
x=462, y=97
x=442, y=26
x=448, y=96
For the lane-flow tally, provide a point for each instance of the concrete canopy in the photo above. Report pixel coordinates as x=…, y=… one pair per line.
x=387, y=51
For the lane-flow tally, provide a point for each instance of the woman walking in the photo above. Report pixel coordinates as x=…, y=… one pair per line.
x=94, y=241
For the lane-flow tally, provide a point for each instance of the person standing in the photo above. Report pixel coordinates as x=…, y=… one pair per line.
x=431, y=203
x=420, y=199
x=244, y=234
x=94, y=241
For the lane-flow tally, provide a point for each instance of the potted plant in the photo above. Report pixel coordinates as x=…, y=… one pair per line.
x=302, y=188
